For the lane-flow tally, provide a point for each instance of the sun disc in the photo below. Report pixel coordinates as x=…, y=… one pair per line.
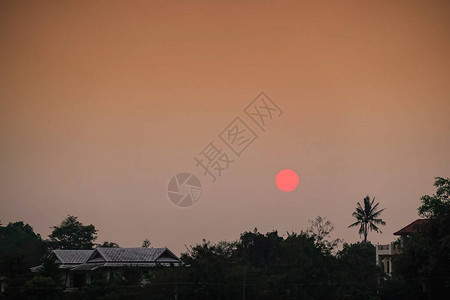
x=286, y=180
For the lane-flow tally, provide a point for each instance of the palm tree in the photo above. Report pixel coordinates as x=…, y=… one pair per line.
x=367, y=217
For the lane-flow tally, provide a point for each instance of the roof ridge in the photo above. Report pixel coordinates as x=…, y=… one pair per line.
x=130, y=248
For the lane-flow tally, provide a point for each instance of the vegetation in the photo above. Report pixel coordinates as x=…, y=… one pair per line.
x=367, y=217
x=422, y=271
x=257, y=266
x=304, y=265
x=268, y=266
x=107, y=244
x=146, y=243
x=72, y=234
x=20, y=249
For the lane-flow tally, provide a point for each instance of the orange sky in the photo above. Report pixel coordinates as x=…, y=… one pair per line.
x=102, y=102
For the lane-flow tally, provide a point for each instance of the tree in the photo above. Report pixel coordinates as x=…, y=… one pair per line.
x=358, y=272
x=209, y=264
x=146, y=243
x=367, y=217
x=20, y=249
x=41, y=287
x=424, y=263
x=320, y=230
x=439, y=203
x=72, y=234
x=107, y=244
x=50, y=269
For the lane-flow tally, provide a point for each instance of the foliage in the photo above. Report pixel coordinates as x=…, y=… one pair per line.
x=101, y=287
x=72, y=234
x=301, y=265
x=146, y=243
x=20, y=249
x=261, y=266
x=358, y=272
x=42, y=287
x=367, y=217
x=107, y=244
x=320, y=230
x=257, y=266
x=424, y=264
x=50, y=269
x=437, y=205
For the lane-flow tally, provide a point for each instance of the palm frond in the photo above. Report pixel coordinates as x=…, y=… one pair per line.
x=354, y=224
x=361, y=229
x=375, y=228
x=374, y=208
x=379, y=221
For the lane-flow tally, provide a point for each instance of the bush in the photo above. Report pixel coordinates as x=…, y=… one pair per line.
x=42, y=287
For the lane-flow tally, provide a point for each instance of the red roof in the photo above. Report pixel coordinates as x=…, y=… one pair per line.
x=408, y=229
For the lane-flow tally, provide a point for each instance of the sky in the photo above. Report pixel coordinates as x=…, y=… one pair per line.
x=103, y=102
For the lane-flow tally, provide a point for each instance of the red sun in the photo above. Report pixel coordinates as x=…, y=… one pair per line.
x=286, y=180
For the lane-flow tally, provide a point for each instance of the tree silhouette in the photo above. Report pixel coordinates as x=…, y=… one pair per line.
x=367, y=217
x=20, y=249
x=423, y=266
x=320, y=229
x=146, y=243
x=439, y=203
x=107, y=244
x=72, y=234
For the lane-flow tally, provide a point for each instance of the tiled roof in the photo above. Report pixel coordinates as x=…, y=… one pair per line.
x=131, y=264
x=87, y=267
x=410, y=228
x=73, y=256
x=94, y=266
x=131, y=254
x=86, y=260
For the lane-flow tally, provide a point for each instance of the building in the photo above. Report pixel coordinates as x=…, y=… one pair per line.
x=410, y=228
x=386, y=253
x=78, y=265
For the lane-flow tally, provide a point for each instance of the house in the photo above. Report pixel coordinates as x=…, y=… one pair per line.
x=410, y=228
x=386, y=253
x=78, y=265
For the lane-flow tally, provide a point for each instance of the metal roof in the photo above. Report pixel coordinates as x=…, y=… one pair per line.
x=132, y=254
x=131, y=264
x=86, y=260
x=87, y=267
x=73, y=256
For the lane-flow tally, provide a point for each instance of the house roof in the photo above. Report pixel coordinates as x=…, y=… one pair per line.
x=87, y=260
x=131, y=254
x=132, y=264
x=87, y=267
x=68, y=258
x=73, y=256
x=410, y=228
